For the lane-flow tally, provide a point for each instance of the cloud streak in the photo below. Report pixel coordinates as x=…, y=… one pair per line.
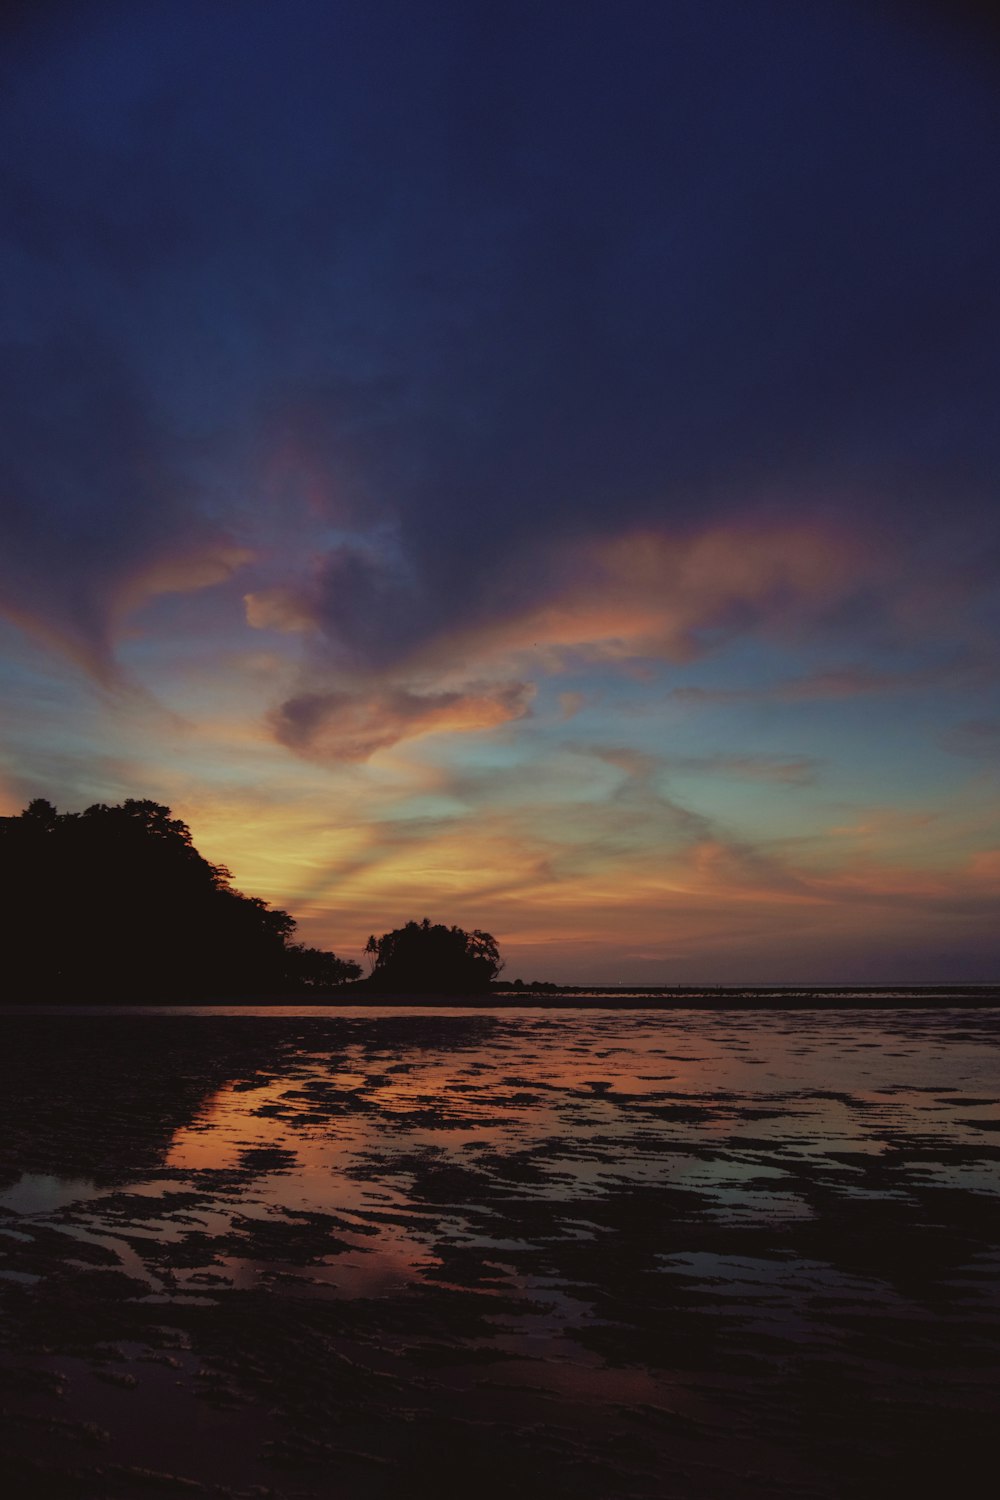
x=97, y=517
x=640, y=598
x=353, y=726
x=842, y=682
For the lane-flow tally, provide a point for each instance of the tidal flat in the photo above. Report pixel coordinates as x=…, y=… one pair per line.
x=583, y=1253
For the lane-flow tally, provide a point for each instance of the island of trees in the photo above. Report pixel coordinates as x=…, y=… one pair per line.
x=424, y=958
x=115, y=904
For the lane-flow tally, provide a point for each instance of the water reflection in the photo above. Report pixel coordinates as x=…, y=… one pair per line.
x=41, y=1193
x=693, y=1239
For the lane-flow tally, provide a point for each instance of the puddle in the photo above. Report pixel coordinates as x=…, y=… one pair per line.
x=40, y=1193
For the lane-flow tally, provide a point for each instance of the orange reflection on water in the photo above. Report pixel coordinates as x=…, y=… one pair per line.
x=694, y=1098
x=580, y=1205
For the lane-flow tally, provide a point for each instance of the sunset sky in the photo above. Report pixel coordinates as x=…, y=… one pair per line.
x=529, y=464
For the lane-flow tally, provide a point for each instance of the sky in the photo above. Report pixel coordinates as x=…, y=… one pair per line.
x=529, y=464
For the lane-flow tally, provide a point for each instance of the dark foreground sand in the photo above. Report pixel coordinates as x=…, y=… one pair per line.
x=570, y=1253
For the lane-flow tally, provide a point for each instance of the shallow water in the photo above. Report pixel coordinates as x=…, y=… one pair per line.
x=571, y=1252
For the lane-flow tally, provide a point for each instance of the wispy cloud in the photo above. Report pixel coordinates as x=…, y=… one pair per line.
x=640, y=597
x=640, y=765
x=842, y=682
x=800, y=770
x=340, y=725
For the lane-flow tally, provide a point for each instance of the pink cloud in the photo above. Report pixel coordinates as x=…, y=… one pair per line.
x=647, y=594
x=344, y=725
x=642, y=597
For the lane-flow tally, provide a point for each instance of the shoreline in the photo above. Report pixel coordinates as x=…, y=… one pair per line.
x=770, y=998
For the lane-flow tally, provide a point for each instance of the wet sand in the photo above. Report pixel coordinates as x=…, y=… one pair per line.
x=583, y=1253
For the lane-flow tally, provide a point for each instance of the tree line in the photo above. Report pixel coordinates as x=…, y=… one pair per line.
x=116, y=904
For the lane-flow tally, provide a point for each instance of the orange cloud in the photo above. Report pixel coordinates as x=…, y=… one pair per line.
x=639, y=597
x=354, y=725
x=278, y=609
x=180, y=573
x=643, y=594
x=651, y=595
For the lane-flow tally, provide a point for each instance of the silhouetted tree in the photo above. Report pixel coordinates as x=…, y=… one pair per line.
x=316, y=969
x=116, y=903
x=422, y=958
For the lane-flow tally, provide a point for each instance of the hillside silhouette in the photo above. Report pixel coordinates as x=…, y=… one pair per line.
x=116, y=904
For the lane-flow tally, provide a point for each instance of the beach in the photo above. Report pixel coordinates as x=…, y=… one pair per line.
x=583, y=1252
